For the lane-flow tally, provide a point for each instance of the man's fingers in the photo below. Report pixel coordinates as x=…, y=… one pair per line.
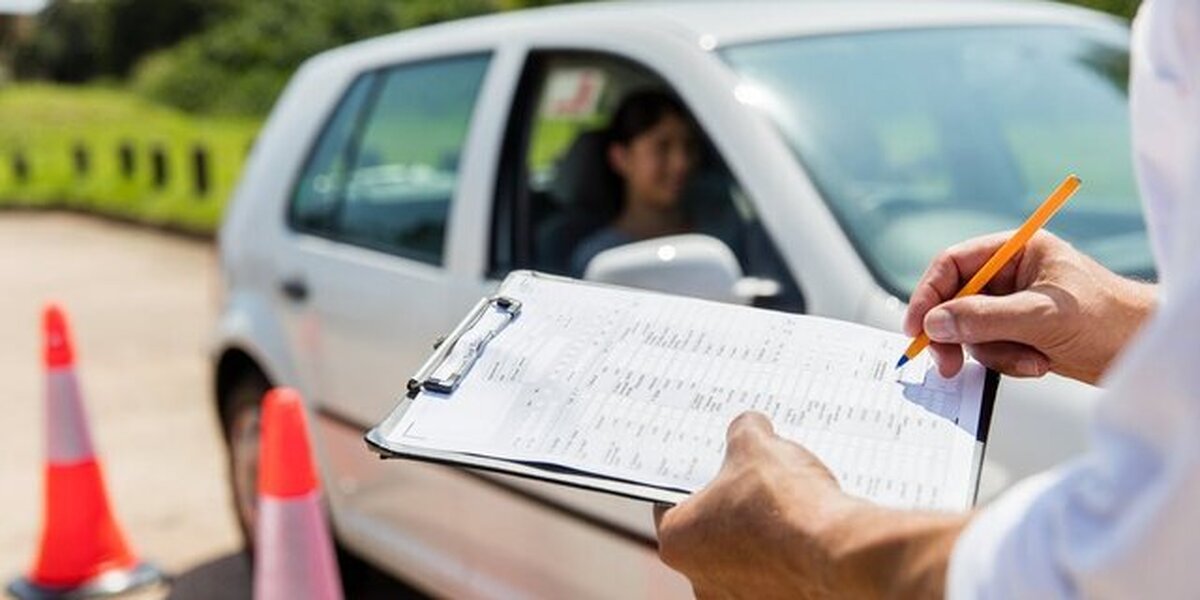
x=939, y=283
x=1021, y=317
x=949, y=271
x=949, y=358
x=923, y=299
x=946, y=274
x=1010, y=358
x=659, y=511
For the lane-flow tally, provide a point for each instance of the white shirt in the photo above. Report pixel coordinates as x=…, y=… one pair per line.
x=1123, y=521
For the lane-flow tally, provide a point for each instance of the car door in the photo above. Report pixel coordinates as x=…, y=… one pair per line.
x=366, y=273
x=381, y=220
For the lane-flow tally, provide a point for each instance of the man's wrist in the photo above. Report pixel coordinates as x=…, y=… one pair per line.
x=1134, y=301
x=875, y=552
x=1142, y=299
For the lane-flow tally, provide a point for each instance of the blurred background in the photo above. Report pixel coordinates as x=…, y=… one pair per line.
x=145, y=109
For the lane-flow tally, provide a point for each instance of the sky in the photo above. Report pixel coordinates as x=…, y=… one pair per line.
x=21, y=6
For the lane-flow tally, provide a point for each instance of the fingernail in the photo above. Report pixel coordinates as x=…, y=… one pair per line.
x=940, y=326
x=1031, y=367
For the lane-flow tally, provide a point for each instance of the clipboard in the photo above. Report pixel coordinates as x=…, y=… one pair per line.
x=459, y=352
x=430, y=377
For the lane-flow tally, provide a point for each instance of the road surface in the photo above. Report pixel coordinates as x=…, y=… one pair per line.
x=141, y=305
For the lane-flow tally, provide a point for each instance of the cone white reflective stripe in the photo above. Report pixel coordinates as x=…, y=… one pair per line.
x=68, y=441
x=294, y=557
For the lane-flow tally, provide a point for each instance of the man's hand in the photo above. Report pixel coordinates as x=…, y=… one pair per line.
x=1051, y=308
x=774, y=523
x=737, y=537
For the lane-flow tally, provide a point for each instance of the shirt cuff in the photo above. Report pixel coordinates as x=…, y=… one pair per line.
x=979, y=566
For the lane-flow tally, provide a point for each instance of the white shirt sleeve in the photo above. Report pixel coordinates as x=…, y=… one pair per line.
x=1123, y=521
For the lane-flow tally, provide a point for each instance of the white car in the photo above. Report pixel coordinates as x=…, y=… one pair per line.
x=844, y=144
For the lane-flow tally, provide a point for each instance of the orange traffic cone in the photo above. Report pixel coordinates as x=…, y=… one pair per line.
x=83, y=551
x=293, y=557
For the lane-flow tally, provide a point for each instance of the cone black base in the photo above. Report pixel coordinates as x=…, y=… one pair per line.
x=105, y=585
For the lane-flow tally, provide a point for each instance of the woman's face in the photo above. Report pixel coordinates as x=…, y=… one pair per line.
x=656, y=163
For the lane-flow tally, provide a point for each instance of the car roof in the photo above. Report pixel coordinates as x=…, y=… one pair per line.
x=715, y=24
x=711, y=24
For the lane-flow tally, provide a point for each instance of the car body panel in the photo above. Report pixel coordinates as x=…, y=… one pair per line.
x=246, y=324
x=459, y=535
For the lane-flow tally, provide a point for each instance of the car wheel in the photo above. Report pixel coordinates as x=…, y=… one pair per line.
x=240, y=421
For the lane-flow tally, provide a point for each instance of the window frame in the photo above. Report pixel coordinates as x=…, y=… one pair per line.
x=350, y=151
x=512, y=177
x=511, y=202
x=329, y=116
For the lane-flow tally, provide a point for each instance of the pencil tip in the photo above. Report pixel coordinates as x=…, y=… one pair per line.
x=900, y=363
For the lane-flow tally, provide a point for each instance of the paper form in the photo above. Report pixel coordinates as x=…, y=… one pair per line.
x=642, y=387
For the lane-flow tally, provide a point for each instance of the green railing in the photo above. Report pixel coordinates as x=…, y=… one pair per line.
x=112, y=153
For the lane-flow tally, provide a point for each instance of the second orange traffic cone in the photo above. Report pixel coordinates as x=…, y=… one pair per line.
x=293, y=555
x=83, y=551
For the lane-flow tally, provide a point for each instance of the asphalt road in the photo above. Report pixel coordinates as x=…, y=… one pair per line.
x=141, y=305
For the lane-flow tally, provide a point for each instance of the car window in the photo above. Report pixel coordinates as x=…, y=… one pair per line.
x=317, y=193
x=567, y=195
x=405, y=166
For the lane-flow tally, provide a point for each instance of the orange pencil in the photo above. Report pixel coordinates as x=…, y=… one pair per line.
x=1018, y=240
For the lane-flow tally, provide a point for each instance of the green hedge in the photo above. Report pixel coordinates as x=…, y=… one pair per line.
x=47, y=126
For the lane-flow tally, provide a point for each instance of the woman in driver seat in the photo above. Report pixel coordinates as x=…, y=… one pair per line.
x=651, y=149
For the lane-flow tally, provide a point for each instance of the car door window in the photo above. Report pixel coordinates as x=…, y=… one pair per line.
x=317, y=192
x=405, y=166
x=384, y=171
x=566, y=191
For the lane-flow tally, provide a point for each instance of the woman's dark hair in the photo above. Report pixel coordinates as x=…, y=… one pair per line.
x=640, y=112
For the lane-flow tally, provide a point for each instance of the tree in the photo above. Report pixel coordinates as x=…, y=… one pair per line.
x=1120, y=8
x=78, y=40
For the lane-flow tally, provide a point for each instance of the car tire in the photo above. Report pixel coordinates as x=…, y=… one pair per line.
x=240, y=425
x=240, y=408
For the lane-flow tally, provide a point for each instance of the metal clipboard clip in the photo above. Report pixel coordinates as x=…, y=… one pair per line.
x=463, y=350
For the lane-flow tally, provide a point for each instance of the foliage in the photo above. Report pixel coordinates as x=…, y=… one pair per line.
x=1120, y=8
x=66, y=46
x=231, y=57
x=221, y=56
x=250, y=56
x=78, y=41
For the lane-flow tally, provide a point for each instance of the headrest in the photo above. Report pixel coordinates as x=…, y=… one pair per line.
x=583, y=179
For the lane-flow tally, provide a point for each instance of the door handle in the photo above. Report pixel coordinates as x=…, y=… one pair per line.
x=295, y=289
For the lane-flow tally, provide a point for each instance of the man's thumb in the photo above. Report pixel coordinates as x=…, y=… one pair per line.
x=979, y=319
x=746, y=432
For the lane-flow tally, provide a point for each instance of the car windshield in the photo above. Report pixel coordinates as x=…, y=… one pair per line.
x=918, y=139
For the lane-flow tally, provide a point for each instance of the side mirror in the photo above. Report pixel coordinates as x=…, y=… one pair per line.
x=691, y=264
